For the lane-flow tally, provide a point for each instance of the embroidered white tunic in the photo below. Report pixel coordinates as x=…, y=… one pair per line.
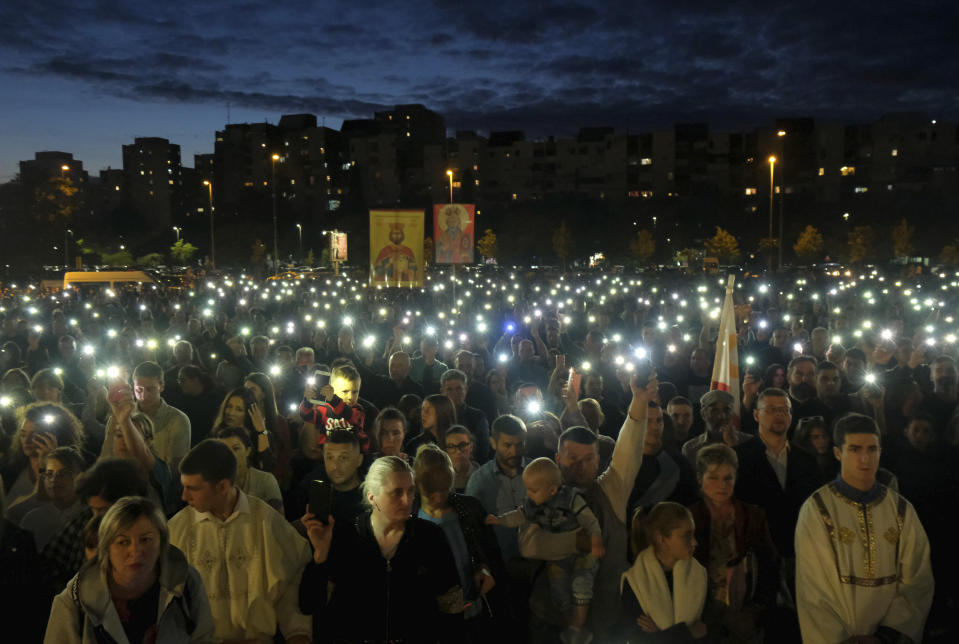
x=251, y=566
x=861, y=566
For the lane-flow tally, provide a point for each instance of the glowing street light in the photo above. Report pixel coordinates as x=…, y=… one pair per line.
x=176, y=229
x=276, y=254
x=772, y=172
x=299, y=232
x=209, y=185
x=449, y=173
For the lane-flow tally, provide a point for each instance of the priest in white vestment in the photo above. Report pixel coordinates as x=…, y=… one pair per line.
x=250, y=558
x=862, y=556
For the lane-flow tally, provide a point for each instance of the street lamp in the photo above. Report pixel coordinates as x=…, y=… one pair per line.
x=276, y=254
x=66, y=248
x=772, y=172
x=177, y=231
x=299, y=232
x=449, y=173
x=209, y=185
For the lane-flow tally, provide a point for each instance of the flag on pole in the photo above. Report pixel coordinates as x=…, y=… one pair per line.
x=726, y=365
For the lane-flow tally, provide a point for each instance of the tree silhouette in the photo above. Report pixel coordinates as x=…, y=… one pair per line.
x=810, y=242
x=563, y=243
x=487, y=244
x=722, y=245
x=643, y=247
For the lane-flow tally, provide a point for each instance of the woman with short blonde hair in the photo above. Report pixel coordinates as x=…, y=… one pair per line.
x=138, y=587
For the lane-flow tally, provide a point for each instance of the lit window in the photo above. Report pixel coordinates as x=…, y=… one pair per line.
x=171, y=182
x=777, y=190
x=142, y=172
x=645, y=161
x=476, y=182
x=476, y=167
x=514, y=196
x=632, y=193
x=861, y=189
x=646, y=194
x=822, y=171
x=750, y=191
x=407, y=134
x=292, y=182
x=895, y=152
x=117, y=188
x=847, y=171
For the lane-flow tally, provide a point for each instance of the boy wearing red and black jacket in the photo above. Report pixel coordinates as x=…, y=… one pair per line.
x=342, y=412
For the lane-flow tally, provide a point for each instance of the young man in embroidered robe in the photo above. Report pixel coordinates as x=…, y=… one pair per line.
x=249, y=557
x=862, y=556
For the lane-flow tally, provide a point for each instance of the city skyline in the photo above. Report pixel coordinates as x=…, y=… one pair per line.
x=88, y=78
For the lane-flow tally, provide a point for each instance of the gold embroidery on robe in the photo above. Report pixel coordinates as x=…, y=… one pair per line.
x=892, y=535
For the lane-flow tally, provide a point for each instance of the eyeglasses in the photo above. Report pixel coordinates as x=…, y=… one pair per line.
x=458, y=447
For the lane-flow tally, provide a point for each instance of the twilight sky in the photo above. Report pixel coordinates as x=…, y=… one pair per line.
x=87, y=76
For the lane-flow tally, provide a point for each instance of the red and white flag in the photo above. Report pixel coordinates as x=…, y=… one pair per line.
x=726, y=365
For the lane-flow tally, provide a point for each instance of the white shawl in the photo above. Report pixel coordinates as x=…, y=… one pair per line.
x=648, y=583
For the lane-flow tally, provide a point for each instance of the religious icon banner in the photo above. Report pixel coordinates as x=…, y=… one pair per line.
x=338, y=247
x=396, y=247
x=453, y=232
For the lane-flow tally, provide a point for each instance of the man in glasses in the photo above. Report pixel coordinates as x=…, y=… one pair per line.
x=459, y=445
x=773, y=475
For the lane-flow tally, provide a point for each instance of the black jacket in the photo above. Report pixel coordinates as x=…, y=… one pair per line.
x=756, y=483
x=376, y=600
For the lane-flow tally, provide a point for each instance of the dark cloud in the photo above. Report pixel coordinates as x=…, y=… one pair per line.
x=545, y=67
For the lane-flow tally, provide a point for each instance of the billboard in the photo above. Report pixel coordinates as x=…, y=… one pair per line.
x=338, y=247
x=396, y=247
x=453, y=233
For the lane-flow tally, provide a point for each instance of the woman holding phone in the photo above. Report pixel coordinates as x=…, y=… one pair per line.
x=387, y=558
x=44, y=426
x=240, y=409
x=265, y=395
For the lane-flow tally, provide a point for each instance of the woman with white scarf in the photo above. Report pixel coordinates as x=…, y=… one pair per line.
x=664, y=592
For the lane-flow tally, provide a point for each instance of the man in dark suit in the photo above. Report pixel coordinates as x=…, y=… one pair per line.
x=773, y=475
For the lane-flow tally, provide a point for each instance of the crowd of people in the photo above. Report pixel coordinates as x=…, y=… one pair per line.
x=509, y=456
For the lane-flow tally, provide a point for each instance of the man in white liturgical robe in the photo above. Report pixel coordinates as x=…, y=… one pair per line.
x=250, y=558
x=862, y=557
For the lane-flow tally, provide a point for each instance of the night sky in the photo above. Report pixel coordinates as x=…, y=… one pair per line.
x=87, y=77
